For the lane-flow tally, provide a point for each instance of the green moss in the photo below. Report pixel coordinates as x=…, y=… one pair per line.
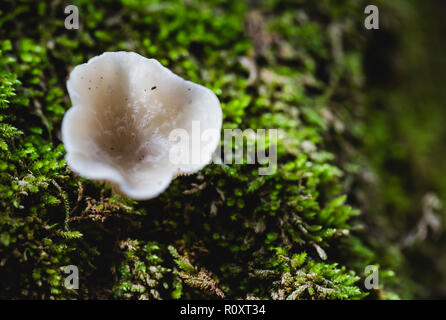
x=213, y=234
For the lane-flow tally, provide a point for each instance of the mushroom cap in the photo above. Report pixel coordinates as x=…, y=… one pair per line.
x=124, y=109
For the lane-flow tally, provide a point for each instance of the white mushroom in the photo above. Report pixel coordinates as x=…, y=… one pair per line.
x=125, y=107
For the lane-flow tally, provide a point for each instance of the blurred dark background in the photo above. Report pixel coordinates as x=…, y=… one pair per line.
x=404, y=145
